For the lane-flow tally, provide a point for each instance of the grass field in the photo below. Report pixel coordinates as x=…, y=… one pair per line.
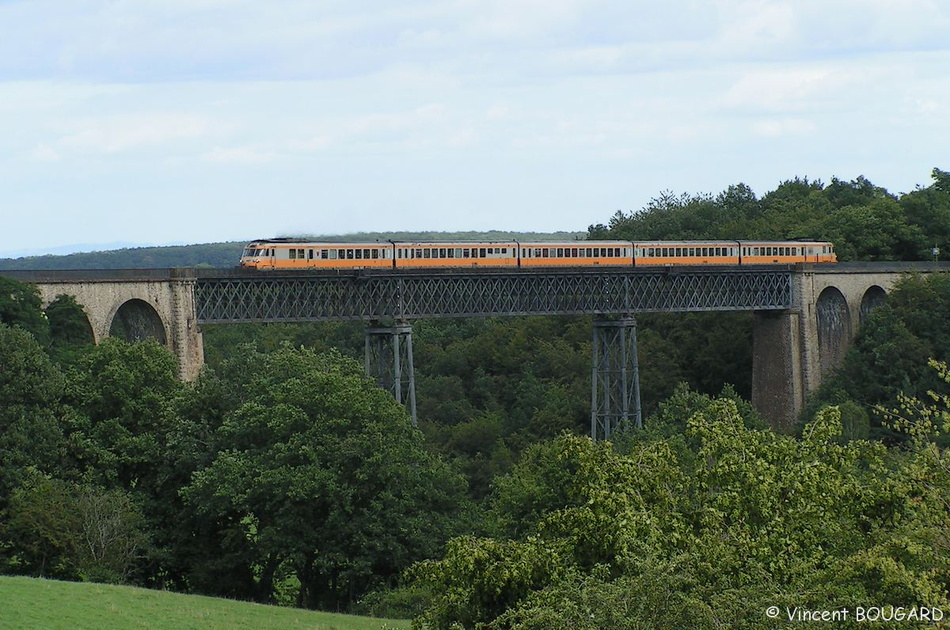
x=28, y=604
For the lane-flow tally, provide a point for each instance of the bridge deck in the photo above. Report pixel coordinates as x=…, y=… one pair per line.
x=268, y=296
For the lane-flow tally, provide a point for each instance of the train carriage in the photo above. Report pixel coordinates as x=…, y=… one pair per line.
x=790, y=252
x=686, y=253
x=474, y=254
x=576, y=254
x=288, y=254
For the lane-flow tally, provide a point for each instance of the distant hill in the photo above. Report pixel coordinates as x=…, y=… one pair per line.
x=223, y=255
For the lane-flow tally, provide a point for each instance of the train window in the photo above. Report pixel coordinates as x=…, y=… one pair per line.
x=293, y=254
x=359, y=254
x=324, y=254
x=450, y=253
x=504, y=250
x=705, y=252
x=374, y=254
x=458, y=252
x=465, y=253
x=441, y=252
x=309, y=254
x=560, y=252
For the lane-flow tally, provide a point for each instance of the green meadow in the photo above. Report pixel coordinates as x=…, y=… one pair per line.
x=29, y=603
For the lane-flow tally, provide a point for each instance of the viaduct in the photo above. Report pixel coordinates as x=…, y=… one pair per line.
x=804, y=315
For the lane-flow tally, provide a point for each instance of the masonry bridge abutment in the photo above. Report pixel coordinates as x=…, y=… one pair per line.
x=795, y=349
x=804, y=316
x=133, y=305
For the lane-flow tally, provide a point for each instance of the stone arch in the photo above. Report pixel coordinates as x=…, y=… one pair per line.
x=875, y=296
x=834, y=328
x=137, y=320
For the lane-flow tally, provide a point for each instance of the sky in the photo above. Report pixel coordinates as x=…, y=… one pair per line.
x=151, y=122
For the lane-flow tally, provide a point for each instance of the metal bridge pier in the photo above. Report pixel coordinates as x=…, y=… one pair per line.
x=615, y=377
x=388, y=359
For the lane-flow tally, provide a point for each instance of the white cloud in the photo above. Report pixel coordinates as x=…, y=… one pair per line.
x=775, y=128
x=116, y=134
x=239, y=155
x=45, y=153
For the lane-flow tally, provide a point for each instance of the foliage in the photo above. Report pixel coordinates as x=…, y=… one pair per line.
x=68, y=530
x=122, y=395
x=20, y=305
x=863, y=220
x=70, y=332
x=31, y=387
x=740, y=520
x=320, y=471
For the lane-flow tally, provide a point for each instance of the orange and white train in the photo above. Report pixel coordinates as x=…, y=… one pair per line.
x=293, y=254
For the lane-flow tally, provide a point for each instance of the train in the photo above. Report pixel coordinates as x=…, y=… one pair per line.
x=293, y=254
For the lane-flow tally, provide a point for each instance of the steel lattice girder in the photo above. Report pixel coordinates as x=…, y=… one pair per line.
x=264, y=297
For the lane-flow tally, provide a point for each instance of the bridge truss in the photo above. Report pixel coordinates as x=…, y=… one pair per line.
x=402, y=296
x=612, y=295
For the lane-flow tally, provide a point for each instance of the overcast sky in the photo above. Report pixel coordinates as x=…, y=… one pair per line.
x=189, y=121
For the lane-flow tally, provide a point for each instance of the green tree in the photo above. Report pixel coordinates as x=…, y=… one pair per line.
x=31, y=387
x=122, y=395
x=714, y=526
x=20, y=305
x=320, y=473
x=69, y=327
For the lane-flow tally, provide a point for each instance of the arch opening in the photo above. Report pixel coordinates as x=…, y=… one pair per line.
x=834, y=328
x=69, y=323
x=137, y=320
x=875, y=296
